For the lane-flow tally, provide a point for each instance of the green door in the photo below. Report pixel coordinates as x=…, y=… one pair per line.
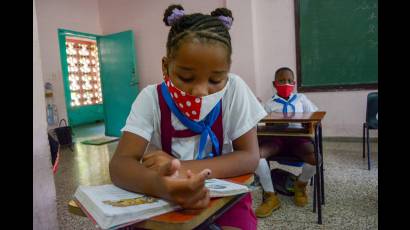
x=81, y=114
x=118, y=78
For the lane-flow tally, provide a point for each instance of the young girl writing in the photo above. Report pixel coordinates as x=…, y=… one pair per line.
x=198, y=123
x=287, y=102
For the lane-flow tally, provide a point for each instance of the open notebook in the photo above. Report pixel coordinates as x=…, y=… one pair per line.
x=110, y=207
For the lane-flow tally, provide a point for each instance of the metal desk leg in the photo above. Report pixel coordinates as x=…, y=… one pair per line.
x=322, y=187
x=314, y=193
x=322, y=179
x=318, y=189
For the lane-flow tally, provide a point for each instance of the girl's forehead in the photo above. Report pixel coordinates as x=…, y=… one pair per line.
x=196, y=51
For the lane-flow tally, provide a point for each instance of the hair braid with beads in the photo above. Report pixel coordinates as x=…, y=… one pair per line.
x=205, y=28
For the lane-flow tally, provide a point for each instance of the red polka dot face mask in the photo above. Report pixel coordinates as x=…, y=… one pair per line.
x=195, y=108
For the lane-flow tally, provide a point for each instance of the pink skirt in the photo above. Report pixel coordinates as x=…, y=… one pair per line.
x=240, y=215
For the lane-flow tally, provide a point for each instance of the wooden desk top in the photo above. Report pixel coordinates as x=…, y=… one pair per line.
x=293, y=117
x=179, y=220
x=264, y=129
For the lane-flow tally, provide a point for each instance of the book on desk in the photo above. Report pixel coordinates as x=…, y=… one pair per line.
x=110, y=207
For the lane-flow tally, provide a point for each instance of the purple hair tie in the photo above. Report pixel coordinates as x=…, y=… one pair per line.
x=227, y=21
x=176, y=14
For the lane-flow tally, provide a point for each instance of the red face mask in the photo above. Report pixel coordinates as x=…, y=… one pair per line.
x=187, y=104
x=195, y=108
x=284, y=90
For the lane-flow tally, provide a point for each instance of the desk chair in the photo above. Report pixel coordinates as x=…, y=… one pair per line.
x=372, y=122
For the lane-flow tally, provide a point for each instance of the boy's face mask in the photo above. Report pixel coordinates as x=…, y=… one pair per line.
x=284, y=90
x=195, y=108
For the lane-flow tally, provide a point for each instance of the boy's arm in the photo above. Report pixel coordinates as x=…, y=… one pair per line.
x=127, y=172
x=267, y=106
x=308, y=105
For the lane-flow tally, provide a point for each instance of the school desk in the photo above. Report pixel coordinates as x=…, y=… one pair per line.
x=313, y=129
x=178, y=220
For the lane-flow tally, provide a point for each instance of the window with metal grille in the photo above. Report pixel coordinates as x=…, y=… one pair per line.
x=83, y=72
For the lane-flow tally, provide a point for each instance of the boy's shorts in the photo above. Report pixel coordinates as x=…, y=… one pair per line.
x=286, y=145
x=240, y=215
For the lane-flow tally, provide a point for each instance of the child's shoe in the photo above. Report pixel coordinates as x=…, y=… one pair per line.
x=270, y=203
x=300, y=197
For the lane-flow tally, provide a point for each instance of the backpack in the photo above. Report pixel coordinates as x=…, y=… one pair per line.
x=283, y=181
x=64, y=134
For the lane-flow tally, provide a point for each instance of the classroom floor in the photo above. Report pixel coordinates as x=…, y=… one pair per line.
x=350, y=189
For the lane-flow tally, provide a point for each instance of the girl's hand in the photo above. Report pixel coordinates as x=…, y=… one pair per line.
x=155, y=160
x=189, y=193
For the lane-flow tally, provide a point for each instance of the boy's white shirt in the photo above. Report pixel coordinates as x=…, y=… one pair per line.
x=302, y=105
x=241, y=112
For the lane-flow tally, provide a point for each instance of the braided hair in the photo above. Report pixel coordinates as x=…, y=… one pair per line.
x=205, y=28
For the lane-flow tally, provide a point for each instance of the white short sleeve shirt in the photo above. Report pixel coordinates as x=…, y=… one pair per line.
x=241, y=111
x=302, y=105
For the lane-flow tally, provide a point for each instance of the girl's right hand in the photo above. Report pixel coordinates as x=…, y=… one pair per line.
x=189, y=192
